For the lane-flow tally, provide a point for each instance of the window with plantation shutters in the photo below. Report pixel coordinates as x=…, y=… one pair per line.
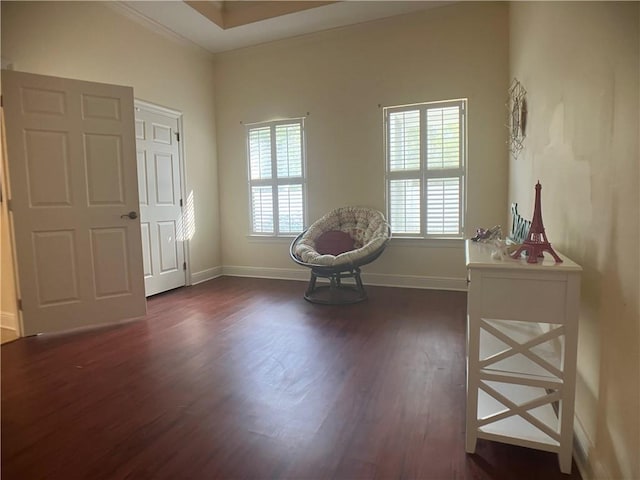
x=425, y=167
x=276, y=177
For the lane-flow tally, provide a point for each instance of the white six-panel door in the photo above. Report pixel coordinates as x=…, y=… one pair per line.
x=73, y=183
x=159, y=185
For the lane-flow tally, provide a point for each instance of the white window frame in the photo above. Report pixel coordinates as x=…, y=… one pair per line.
x=424, y=174
x=274, y=182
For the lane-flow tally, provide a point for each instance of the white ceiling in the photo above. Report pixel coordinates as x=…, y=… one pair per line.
x=183, y=21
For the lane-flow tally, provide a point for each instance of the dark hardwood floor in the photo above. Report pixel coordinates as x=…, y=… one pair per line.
x=242, y=379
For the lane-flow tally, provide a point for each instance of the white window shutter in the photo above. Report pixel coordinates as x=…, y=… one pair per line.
x=443, y=206
x=260, y=153
x=276, y=177
x=289, y=150
x=425, y=168
x=443, y=138
x=290, y=208
x=404, y=140
x=404, y=206
x=262, y=209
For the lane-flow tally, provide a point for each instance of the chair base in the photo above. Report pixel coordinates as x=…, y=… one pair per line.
x=343, y=295
x=336, y=293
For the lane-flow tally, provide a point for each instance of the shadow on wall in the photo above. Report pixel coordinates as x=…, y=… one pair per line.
x=618, y=398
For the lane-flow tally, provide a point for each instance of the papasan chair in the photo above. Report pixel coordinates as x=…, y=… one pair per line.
x=335, y=247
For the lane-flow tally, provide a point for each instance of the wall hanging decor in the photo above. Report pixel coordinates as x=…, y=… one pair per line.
x=517, y=118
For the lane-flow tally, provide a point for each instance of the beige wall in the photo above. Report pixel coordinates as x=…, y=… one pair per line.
x=341, y=77
x=8, y=305
x=91, y=41
x=580, y=65
x=9, y=315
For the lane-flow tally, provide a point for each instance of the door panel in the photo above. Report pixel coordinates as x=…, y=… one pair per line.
x=146, y=249
x=47, y=165
x=107, y=108
x=56, y=267
x=165, y=166
x=103, y=158
x=41, y=100
x=167, y=243
x=72, y=173
x=160, y=209
x=110, y=262
x=162, y=133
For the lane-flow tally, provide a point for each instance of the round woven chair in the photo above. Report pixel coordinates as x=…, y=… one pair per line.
x=335, y=247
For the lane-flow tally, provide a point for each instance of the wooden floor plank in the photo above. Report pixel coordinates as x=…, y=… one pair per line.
x=241, y=378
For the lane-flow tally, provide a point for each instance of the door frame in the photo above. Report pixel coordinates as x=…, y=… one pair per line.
x=140, y=104
x=5, y=201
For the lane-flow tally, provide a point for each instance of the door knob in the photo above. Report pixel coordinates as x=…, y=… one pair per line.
x=132, y=215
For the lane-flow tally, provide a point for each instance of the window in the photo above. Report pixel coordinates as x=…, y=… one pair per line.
x=276, y=177
x=425, y=165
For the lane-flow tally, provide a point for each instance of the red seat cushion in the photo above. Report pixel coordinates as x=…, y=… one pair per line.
x=334, y=242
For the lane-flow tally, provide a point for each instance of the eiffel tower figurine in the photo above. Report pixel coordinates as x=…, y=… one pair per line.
x=536, y=242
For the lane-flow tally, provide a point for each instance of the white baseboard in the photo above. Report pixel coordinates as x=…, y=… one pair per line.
x=589, y=468
x=9, y=321
x=581, y=446
x=415, y=281
x=301, y=274
x=378, y=279
x=204, y=275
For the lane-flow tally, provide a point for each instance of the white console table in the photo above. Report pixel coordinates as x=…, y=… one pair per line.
x=522, y=334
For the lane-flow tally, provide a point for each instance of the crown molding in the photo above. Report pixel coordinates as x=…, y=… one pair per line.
x=134, y=15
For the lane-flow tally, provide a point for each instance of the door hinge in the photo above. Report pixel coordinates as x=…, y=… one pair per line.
x=9, y=205
x=20, y=304
x=178, y=136
x=184, y=266
x=180, y=202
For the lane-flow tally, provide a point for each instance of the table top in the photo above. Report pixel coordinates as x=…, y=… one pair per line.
x=478, y=255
